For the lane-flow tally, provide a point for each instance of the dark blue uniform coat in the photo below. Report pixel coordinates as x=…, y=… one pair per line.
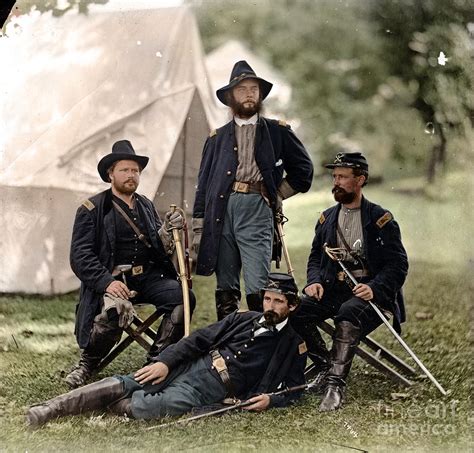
x=277, y=149
x=93, y=249
x=285, y=367
x=385, y=255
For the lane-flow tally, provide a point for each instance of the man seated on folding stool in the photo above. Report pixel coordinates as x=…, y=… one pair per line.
x=370, y=241
x=121, y=253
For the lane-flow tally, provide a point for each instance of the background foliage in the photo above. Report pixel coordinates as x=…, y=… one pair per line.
x=366, y=73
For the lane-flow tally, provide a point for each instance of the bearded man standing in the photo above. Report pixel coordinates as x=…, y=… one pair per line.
x=374, y=254
x=248, y=167
x=121, y=253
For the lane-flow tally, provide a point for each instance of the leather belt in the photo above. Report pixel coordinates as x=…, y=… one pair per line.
x=134, y=270
x=357, y=273
x=248, y=187
x=220, y=366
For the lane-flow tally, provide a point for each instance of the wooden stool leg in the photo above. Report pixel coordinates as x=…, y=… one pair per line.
x=375, y=361
x=143, y=327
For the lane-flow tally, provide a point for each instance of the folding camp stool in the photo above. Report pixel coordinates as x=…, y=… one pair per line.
x=375, y=358
x=139, y=330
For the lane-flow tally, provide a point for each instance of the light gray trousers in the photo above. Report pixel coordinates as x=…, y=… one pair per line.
x=245, y=244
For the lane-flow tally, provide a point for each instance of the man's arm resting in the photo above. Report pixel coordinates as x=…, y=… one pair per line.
x=154, y=373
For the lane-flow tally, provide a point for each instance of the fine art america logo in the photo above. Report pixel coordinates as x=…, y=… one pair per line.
x=436, y=419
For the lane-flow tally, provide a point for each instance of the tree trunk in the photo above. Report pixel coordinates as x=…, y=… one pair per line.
x=438, y=155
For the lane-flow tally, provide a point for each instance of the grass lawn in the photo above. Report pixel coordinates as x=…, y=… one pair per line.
x=37, y=348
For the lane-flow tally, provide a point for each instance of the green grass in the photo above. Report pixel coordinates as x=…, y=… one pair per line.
x=37, y=348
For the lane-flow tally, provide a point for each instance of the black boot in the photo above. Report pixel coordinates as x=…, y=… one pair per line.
x=227, y=301
x=346, y=339
x=122, y=407
x=88, y=398
x=254, y=302
x=104, y=335
x=319, y=355
x=170, y=331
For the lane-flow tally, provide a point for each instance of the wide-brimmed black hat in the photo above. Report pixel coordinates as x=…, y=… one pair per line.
x=284, y=284
x=242, y=71
x=121, y=150
x=349, y=160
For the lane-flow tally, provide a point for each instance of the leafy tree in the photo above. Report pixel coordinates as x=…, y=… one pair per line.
x=414, y=33
x=59, y=7
x=349, y=85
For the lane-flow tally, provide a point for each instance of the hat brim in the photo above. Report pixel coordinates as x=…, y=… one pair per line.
x=107, y=161
x=265, y=88
x=346, y=165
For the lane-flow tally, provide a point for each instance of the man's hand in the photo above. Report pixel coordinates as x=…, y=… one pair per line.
x=173, y=221
x=315, y=290
x=363, y=291
x=118, y=289
x=259, y=403
x=154, y=373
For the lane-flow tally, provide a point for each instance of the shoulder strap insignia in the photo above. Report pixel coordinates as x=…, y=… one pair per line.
x=384, y=220
x=88, y=204
x=283, y=123
x=214, y=132
x=302, y=348
x=322, y=219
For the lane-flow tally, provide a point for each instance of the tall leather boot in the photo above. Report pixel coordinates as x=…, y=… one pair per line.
x=254, y=302
x=227, y=301
x=105, y=334
x=319, y=355
x=122, y=407
x=170, y=331
x=95, y=396
x=346, y=339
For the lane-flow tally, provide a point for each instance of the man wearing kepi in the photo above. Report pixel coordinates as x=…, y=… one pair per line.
x=121, y=253
x=373, y=251
x=245, y=355
x=248, y=167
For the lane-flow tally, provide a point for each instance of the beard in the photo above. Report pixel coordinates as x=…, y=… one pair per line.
x=242, y=111
x=127, y=188
x=272, y=318
x=342, y=196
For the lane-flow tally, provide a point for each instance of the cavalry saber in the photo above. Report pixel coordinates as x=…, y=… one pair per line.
x=182, y=271
x=237, y=405
x=286, y=255
x=334, y=257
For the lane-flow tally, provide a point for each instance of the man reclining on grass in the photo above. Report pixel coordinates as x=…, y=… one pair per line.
x=244, y=354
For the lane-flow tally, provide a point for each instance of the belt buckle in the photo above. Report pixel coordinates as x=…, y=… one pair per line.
x=137, y=270
x=241, y=187
x=219, y=364
x=341, y=276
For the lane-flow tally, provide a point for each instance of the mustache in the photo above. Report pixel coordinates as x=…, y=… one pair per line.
x=337, y=189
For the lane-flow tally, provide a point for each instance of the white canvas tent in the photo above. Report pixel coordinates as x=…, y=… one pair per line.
x=72, y=86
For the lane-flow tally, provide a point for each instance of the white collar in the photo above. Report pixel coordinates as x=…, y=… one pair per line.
x=242, y=122
x=278, y=327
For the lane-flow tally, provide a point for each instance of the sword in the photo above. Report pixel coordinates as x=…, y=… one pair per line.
x=237, y=405
x=182, y=271
x=334, y=253
x=281, y=219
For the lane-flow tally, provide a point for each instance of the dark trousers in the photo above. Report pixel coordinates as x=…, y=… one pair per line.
x=190, y=385
x=338, y=303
